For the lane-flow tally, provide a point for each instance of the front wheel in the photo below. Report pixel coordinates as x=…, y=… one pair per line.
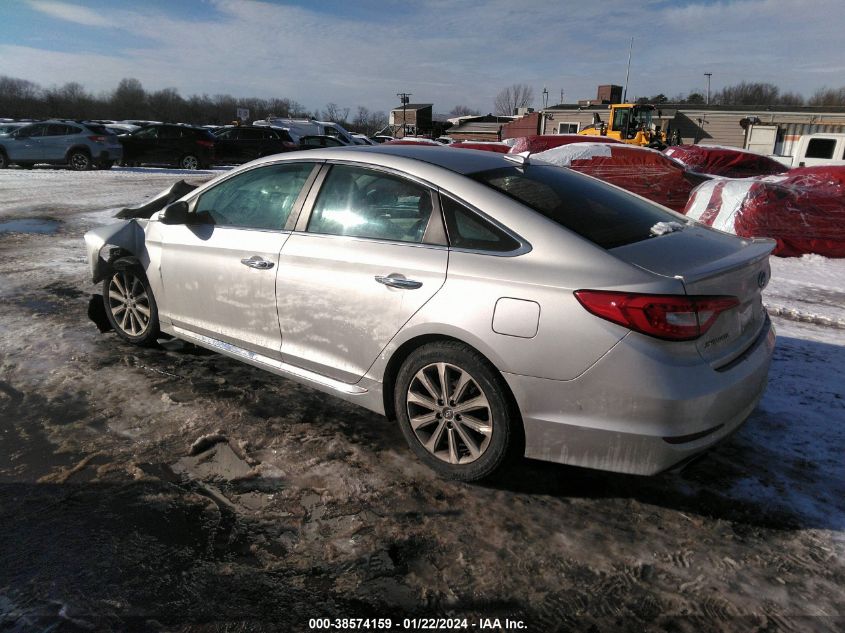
x=130, y=306
x=189, y=162
x=4, y=162
x=454, y=411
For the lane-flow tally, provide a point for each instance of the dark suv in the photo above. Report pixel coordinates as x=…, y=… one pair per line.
x=169, y=144
x=239, y=144
x=78, y=144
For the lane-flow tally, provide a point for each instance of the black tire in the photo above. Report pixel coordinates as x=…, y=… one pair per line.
x=126, y=286
x=4, y=162
x=26, y=165
x=79, y=160
x=189, y=161
x=449, y=454
x=106, y=164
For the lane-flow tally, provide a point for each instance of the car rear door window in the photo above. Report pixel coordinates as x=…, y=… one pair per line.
x=361, y=202
x=468, y=230
x=595, y=210
x=251, y=135
x=260, y=198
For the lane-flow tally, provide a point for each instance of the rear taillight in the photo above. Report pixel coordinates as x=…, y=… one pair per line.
x=207, y=144
x=670, y=317
x=98, y=139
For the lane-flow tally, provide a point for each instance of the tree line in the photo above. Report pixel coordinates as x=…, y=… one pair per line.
x=23, y=99
x=748, y=93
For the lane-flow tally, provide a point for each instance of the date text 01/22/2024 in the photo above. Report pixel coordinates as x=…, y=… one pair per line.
x=414, y=624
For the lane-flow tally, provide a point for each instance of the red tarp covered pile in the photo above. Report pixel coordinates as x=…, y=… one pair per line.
x=487, y=146
x=724, y=161
x=804, y=209
x=543, y=142
x=640, y=170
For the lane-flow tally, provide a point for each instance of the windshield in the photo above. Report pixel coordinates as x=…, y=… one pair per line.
x=595, y=210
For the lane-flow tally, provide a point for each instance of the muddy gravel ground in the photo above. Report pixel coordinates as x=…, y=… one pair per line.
x=173, y=489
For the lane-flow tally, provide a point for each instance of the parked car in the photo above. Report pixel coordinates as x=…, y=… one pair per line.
x=381, y=138
x=821, y=148
x=319, y=140
x=362, y=139
x=119, y=129
x=297, y=128
x=184, y=146
x=489, y=303
x=79, y=144
x=239, y=144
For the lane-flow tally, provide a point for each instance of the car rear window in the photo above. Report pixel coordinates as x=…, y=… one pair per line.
x=594, y=210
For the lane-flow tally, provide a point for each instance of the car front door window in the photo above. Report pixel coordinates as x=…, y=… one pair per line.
x=261, y=198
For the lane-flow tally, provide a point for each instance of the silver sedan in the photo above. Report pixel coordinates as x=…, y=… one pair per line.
x=493, y=305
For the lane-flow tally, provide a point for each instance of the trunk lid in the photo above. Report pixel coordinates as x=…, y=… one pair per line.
x=710, y=262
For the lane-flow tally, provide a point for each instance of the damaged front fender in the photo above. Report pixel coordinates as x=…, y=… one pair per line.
x=127, y=235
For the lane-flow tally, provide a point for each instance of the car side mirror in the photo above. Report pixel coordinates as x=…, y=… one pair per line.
x=176, y=213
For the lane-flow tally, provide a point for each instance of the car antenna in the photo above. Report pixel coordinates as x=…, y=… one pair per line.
x=520, y=159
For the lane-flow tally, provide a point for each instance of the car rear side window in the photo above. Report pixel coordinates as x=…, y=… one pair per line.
x=366, y=203
x=260, y=198
x=597, y=211
x=469, y=230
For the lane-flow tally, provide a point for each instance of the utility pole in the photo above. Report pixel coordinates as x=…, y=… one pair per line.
x=628, y=72
x=404, y=96
x=561, y=95
x=708, y=75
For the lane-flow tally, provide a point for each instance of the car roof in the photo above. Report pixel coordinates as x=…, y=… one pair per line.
x=462, y=162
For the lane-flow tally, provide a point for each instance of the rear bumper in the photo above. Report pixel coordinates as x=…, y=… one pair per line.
x=638, y=413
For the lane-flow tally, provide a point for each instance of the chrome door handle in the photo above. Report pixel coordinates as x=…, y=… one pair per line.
x=398, y=282
x=256, y=262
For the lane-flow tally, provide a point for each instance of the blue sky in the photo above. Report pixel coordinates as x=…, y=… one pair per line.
x=445, y=52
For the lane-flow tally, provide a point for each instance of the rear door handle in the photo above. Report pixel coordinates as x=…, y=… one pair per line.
x=398, y=282
x=256, y=262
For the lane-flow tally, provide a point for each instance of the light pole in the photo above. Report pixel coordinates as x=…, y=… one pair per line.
x=708, y=75
x=404, y=96
x=545, y=98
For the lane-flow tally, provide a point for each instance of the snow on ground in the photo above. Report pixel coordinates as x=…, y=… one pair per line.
x=338, y=506
x=45, y=193
x=809, y=289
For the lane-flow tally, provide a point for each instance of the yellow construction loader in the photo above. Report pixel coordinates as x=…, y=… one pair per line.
x=630, y=123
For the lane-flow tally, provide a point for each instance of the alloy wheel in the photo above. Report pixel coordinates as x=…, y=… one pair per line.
x=79, y=161
x=449, y=413
x=190, y=162
x=129, y=303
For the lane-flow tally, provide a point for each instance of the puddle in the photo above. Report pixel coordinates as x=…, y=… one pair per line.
x=29, y=225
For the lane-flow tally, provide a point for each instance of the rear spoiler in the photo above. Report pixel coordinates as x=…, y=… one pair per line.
x=146, y=210
x=757, y=248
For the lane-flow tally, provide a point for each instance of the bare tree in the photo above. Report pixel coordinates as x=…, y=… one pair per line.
x=129, y=99
x=821, y=97
x=748, y=93
x=513, y=97
x=462, y=110
x=335, y=113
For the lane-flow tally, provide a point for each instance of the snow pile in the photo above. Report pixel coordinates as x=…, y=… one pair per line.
x=803, y=210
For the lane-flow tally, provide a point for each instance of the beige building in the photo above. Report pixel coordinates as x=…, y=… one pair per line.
x=710, y=125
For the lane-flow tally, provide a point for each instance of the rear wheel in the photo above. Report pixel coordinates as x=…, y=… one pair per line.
x=189, y=162
x=106, y=164
x=79, y=161
x=453, y=411
x=4, y=162
x=130, y=306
